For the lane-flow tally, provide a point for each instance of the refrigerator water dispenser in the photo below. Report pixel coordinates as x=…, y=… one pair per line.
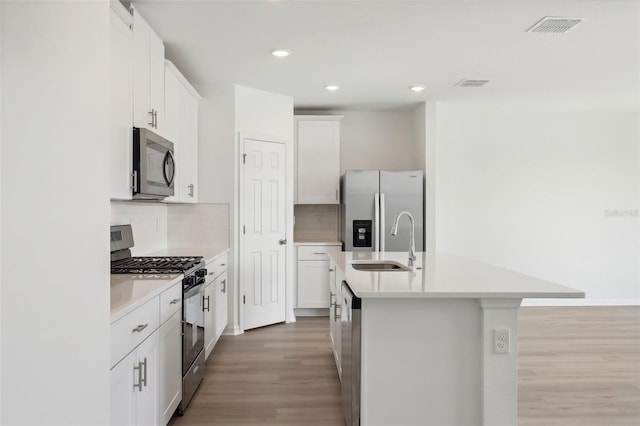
x=362, y=233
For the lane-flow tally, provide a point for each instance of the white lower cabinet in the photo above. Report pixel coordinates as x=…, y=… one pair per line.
x=313, y=275
x=134, y=386
x=209, y=319
x=170, y=366
x=335, y=309
x=313, y=284
x=215, y=302
x=146, y=355
x=221, y=305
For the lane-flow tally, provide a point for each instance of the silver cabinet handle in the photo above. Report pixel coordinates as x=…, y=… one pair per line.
x=223, y=264
x=155, y=119
x=337, y=313
x=139, y=369
x=319, y=253
x=282, y=242
x=208, y=307
x=191, y=190
x=330, y=270
x=134, y=181
x=144, y=382
x=224, y=286
x=331, y=301
x=152, y=115
x=174, y=301
x=139, y=328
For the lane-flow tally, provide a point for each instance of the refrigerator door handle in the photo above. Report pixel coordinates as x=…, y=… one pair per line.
x=383, y=236
x=376, y=221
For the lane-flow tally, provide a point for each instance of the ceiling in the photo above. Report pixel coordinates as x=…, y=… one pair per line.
x=374, y=50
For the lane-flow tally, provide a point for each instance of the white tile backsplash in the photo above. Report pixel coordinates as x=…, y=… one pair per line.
x=316, y=222
x=198, y=225
x=148, y=222
x=157, y=226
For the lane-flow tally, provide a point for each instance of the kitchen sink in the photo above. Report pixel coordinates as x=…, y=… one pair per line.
x=378, y=265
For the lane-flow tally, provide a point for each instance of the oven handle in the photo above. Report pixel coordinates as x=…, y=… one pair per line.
x=193, y=290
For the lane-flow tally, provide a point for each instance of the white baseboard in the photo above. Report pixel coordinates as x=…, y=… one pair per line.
x=312, y=312
x=232, y=330
x=580, y=302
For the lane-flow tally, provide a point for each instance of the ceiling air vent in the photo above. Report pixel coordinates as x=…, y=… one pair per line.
x=550, y=24
x=471, y=83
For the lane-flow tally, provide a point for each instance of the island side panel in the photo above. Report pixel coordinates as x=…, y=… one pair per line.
x=500, y=362
x=421, y=362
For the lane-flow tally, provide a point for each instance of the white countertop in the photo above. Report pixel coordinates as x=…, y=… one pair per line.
x=129, y=291
x=444, y=276
x=317, y=243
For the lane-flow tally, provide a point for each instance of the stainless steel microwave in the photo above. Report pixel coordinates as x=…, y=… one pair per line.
x=154, y=167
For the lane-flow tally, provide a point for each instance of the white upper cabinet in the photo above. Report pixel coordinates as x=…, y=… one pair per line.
x=148, y=76
x=121, y=101
x=181, y=127
x=318, y=159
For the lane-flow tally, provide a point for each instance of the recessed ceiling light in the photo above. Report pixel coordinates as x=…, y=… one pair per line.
x=332, y=87
x=416, y=88
x=281, y=53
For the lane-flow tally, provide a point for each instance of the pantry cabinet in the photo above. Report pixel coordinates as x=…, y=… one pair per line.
x=148, y=76
x=317, y=144
x=121, y=92
x=181, y=127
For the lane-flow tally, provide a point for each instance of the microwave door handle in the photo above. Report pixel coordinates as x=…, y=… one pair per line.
x=169, y=179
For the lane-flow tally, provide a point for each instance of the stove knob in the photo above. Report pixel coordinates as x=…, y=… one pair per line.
x=189, y=281
x=201, y=273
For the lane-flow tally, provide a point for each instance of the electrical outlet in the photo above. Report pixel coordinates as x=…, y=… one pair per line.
x=501, y=341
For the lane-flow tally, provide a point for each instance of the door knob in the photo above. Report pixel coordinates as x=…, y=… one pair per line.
x=282, y=242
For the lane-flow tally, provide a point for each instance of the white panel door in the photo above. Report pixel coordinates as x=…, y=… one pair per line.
x=263, y=232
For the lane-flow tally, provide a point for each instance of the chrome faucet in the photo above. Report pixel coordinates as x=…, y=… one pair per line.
x=412, y=235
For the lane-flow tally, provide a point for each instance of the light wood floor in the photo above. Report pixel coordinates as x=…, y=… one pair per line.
x=578, y=366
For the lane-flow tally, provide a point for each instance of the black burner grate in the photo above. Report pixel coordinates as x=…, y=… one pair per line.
x=155, y=265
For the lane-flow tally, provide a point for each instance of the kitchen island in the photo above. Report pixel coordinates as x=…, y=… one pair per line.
x=438, y=342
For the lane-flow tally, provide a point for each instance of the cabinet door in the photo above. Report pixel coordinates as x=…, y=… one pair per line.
x=221, y=305
x=313, y=284
x=148, y=77
x=170, y=366
x=147, y=406
x=141, y=103
x=173, y=92
x=121, y=107
x=318, y=162
x=123, y=399
x=209, y=319
x=156, y=80
x=189, y=134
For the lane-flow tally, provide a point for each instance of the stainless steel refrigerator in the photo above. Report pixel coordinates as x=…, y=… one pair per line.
x=371, y=200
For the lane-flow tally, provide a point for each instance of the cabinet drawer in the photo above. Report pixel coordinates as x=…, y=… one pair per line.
x=216, y=267
x=316, y=252
x=130, y=330
x=170, y=302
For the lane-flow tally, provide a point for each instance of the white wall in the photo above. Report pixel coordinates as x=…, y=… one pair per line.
x=269, y=114
x=216, y=146
x=55, y=213
x=532, y=190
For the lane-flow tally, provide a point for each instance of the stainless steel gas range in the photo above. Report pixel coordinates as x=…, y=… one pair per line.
x=192, y=301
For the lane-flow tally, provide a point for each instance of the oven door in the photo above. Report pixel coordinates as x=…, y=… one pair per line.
x=192, y=325
x=154, y=166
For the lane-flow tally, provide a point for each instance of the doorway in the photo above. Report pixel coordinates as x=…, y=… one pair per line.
x=262, y=231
